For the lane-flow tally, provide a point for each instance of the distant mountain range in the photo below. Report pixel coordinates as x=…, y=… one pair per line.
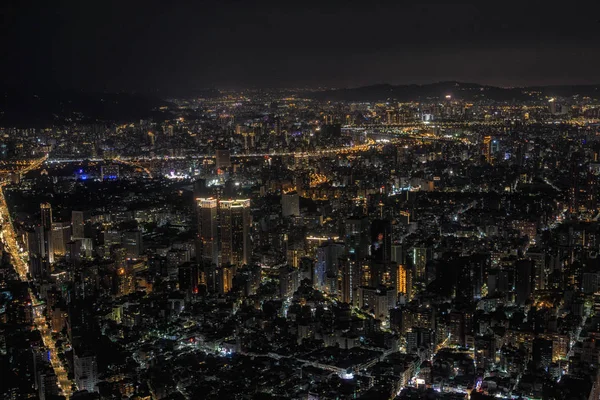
x=458, y=90
x=26, y=108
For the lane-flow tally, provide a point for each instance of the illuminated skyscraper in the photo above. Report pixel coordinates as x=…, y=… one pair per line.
x=403, y=280
x=46, y=248
x=487, y=149
x=46, y=211
x=61, y=234
x=207, y=230
x=357, y=237
x=419, y=259
x=234, y=216
x=125, y=279
x=224, y=276
x=328, y=265
x=347, y=283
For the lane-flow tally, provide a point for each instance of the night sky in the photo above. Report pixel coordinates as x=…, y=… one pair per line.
x=177, y=46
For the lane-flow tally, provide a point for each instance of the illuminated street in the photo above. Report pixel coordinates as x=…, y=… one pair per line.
x=19, y=259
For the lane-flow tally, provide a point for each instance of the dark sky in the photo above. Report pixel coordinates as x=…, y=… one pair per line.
x=175, y=45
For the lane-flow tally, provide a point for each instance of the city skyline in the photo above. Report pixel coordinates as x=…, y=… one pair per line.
x=335, y=200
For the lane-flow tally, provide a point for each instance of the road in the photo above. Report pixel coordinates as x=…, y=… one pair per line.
x=19, y=260
x=300, y=154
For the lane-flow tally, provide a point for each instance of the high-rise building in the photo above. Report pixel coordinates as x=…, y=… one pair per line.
x=224, y=276
x=46, y=212
x=542, y=353
x=357, y=237
x=457, y=326
x=234, y=217
x=526, y=228
x=589, y=282
x=124, y=279
x=133, y=243
x=77, y=224
x=112, y=238
x=188, y=278
x=289, y=281
x=348, y=279
x=327, y=267
x=378, y=300
x=61, y=235
x=46, y=247
x=47, y=382
x=487, y=149
x=417, y=338
x=398, y=255
x=419, y=260
x=381, y=240
x=223, y=158
x=85, y=370
x=290, y=204
x=207, y=230
x=403, y=280
x=524, y=277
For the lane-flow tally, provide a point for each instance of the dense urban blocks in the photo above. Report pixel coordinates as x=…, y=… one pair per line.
x=264, y=244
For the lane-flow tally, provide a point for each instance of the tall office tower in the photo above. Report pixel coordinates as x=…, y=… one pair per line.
x=85, y=370
x=47, y=382
x=390, y=117
x=133, y=243
x=542, y=268
x=290, y=204
x=487, y=149
x=77, y=225
x=357, y=237
x=46, y=248
x=125, y=279
x=418, y=338
x=377, y=299
x=419, y=259
x=524, y=277
x=207, y=230
x=61, y=234
x=347, y=281
x=46, y=211
x=328, y=259
x=189, y=275
x=289, y=281
x=542, y=353
x=398, y=255
x=209, y=277
x=381, y=240
x=402, y=277
x=577, y=160
x=234, y=216
x=224, y=275
x=223, y=158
